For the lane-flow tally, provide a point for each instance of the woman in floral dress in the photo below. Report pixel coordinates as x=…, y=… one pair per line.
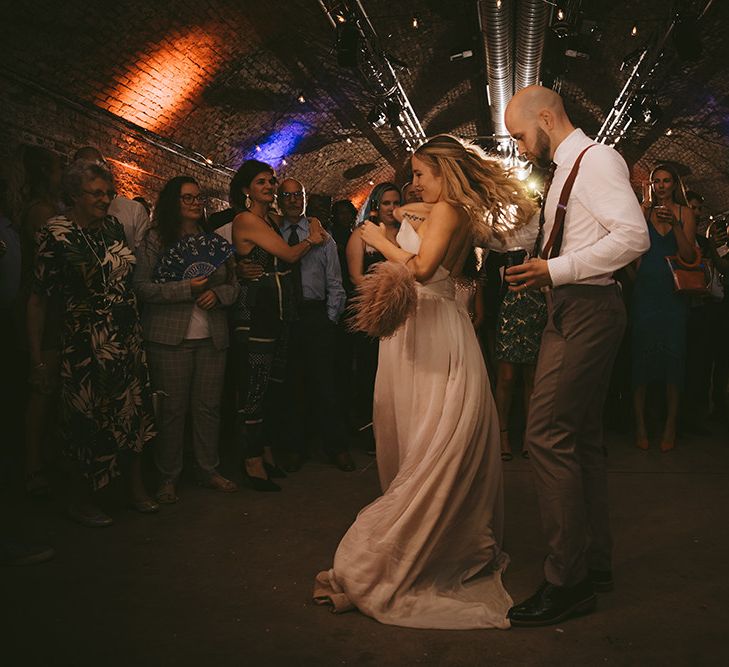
x=105, y=406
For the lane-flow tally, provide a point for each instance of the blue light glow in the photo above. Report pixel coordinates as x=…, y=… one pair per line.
x=278, y=145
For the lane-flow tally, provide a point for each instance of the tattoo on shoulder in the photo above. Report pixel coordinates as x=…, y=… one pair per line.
x=412, y=216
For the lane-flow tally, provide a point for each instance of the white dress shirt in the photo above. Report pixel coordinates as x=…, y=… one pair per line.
x=133, y=217
x=604, y=229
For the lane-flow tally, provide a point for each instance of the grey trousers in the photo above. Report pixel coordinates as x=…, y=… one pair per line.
x=564, y=428
x=191, y=375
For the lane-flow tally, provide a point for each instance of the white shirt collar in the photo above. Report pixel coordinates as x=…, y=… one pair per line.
x=570, y=147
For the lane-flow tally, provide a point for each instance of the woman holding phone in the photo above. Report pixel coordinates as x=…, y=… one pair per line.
x=659, y=315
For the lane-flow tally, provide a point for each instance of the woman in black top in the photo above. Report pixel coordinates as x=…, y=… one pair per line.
x=264, y=308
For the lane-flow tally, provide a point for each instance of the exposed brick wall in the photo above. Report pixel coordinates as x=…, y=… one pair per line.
x=140, y=167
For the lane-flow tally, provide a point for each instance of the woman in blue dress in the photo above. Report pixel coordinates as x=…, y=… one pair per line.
x=659, y=315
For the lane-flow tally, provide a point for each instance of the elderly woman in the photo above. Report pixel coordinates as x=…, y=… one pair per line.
x=186, y=329
x=105, y=406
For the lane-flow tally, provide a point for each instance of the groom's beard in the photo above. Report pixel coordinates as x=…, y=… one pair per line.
x=542, y=150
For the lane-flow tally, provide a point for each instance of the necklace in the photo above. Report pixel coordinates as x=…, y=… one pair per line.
x=104, y=277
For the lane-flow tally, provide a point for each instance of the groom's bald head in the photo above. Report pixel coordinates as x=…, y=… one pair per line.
x=536, y=118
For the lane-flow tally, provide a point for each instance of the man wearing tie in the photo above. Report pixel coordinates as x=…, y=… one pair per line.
x=310, y=373
x=591, y=225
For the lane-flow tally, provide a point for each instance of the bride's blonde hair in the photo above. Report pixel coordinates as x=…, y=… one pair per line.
x=496, y=201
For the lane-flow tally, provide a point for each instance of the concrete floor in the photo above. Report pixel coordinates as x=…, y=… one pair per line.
x=226, y=579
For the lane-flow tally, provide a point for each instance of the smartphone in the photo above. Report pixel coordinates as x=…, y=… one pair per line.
x=647, y=197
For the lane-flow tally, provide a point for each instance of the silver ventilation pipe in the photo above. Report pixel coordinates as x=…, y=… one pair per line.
x=496, y=21
x=531, y=27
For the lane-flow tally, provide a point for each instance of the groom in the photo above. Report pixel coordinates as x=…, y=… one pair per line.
x=591, y=225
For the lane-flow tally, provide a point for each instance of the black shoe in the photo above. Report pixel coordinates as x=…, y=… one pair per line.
x=293, y=462
x=260, y=484
x=19, y=553
x=343, y=461
x=272, y=470
x=602, y=580
x=552, y=604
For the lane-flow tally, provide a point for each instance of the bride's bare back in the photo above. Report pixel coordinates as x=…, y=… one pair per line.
x=460, y=244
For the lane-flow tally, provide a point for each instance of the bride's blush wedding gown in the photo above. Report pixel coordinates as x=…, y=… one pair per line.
x=426, y=554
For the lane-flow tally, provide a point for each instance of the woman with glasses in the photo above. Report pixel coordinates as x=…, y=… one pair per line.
x=185, y=280
x=262, y=313
x=105, y=406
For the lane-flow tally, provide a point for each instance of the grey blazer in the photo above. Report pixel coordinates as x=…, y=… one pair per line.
x=167, y=307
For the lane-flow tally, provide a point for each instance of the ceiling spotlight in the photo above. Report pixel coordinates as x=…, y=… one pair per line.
x=340, y=17
x=416, y=23
x=560, y=14
x=669, y=132
x=301, y=98
x=349, y=140
x=371, y=182
x=634, y=31
x=376, y=117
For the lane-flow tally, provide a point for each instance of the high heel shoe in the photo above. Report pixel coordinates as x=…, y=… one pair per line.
x=667, y=445
x=259, y=484
x=272, y=470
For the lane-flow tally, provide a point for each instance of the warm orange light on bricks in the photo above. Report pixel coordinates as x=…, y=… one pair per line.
x=161, y=86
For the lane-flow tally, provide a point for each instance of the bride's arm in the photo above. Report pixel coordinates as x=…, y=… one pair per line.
x=417, y=211
x=442, y=224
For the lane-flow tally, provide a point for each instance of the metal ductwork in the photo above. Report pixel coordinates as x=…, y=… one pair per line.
x=531, y=27
x=496, y=17
x=513, y=48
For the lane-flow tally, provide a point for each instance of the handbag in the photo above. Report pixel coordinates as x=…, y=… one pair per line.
x=693, y=278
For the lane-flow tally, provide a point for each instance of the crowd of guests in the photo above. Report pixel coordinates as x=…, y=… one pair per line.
x=128, y=325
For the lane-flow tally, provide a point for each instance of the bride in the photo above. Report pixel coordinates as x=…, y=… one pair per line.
x=427, y=553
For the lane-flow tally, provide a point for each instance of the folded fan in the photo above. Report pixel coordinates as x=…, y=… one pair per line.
x=195, y=256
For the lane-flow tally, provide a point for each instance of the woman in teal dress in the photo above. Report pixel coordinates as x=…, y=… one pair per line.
x=105, y=408
x=659, y=315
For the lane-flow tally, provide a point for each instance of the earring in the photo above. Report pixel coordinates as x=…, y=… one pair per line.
x=248, y=201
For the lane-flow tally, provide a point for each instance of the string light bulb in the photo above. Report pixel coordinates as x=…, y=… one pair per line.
x=349, y=140
x=301, y=98
x=416, y=23
x=634, y=31
x=498, y=4
x=283, y=162
x=258, y=149
x=560, y=14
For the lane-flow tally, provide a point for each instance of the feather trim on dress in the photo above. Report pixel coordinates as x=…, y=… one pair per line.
x=385, y=299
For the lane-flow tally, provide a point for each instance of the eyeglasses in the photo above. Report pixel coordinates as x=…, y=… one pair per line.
x=290, y=195
x=189, y=199
x=98, y=194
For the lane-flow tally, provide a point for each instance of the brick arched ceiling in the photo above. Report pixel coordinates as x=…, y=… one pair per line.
x=237, y=79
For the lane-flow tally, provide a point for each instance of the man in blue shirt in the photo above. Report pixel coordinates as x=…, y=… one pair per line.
x=310, y=372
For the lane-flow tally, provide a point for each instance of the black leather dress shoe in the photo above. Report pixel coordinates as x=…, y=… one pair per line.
x=602, y=580
x=552, y=604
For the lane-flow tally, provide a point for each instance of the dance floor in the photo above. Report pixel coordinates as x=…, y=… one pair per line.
x=226, y=579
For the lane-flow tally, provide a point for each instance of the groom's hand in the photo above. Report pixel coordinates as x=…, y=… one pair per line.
x=533, y=274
